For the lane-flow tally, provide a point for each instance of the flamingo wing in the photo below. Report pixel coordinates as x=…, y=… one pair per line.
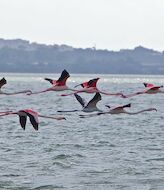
x=64, y=76
x=84, y=84
x=118, y=107
x=154, y=88
x=49, y=80
x=93, y=82
x=148, y=85
x=94, y=100
x=90, y=83
x=33, y=121
x=2, y=82
x=33, y=116
x=126, y=106
x=22, y=121
x=79, y=99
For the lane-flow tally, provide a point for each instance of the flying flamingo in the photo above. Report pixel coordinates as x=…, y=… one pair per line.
x=118, y=110
x=90, y=87
x=150, y=89
x=57, y=85
x=3, y=82
x=87, y=107
x=33, y=116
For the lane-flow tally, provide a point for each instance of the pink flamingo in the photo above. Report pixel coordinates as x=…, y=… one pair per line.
x=90, y=87
x=150, y=89
x=118, y=110
x=33, y=116
x=57, y=85
x=3, y=82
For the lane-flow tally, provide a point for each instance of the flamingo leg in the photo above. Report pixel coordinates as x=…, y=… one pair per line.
x=50, y=117
x=112, y=94
x=75, y=92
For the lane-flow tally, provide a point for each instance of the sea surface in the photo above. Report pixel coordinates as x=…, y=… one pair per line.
x=107, y=152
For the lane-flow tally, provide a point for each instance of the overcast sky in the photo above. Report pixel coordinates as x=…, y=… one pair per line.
x=106, y=24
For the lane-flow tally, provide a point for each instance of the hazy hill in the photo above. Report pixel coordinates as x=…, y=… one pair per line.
x=22, y=56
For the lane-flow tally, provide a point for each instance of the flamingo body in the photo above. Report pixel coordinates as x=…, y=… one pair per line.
x=150, y=89
x=57, y=85
x=90, y=87
x=119, y=110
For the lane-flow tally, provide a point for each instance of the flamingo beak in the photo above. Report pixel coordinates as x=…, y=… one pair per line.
x=108, y=106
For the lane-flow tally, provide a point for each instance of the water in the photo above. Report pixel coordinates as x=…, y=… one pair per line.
x=116, y=152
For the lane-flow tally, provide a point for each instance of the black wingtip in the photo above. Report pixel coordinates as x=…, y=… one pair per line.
x=49, y=80
x=77, y=85
x=3, y=81
x=23, y=128
x=98, y=96
x=65, y=73
x=36, y=127
x=127, y=106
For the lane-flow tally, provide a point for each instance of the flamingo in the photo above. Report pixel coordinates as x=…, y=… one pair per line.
x=119, y=110
x=57, y=85
x=150, y=89
x=90, y=87
x=3, y=82
x=33, y=116
x=87, y=107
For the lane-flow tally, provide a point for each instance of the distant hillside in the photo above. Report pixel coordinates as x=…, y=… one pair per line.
x=22, y=56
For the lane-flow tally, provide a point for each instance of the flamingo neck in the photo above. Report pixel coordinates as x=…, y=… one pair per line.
x=112, y=94
x=30, y=93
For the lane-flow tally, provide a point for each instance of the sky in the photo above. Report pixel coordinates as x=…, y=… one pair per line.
x=103, y=24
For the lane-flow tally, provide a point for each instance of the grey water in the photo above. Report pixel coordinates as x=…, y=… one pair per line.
x=107, y=152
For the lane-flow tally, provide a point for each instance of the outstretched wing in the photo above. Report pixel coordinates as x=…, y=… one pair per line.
x=53, y=82
x=22, y=121
x=33, y=116
x=62, y=79
x=90, y=83
x=64, y=76
x=148, y=85
x=33, y=121
x=126, y=106
x=119, y=107
x=94, y=100
x=80, y=100
x=2, y=82
x=93, y=82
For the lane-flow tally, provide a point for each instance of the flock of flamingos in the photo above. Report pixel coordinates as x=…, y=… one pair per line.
x=86, y=87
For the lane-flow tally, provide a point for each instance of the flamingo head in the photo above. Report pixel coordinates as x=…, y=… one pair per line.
x=152, y=109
